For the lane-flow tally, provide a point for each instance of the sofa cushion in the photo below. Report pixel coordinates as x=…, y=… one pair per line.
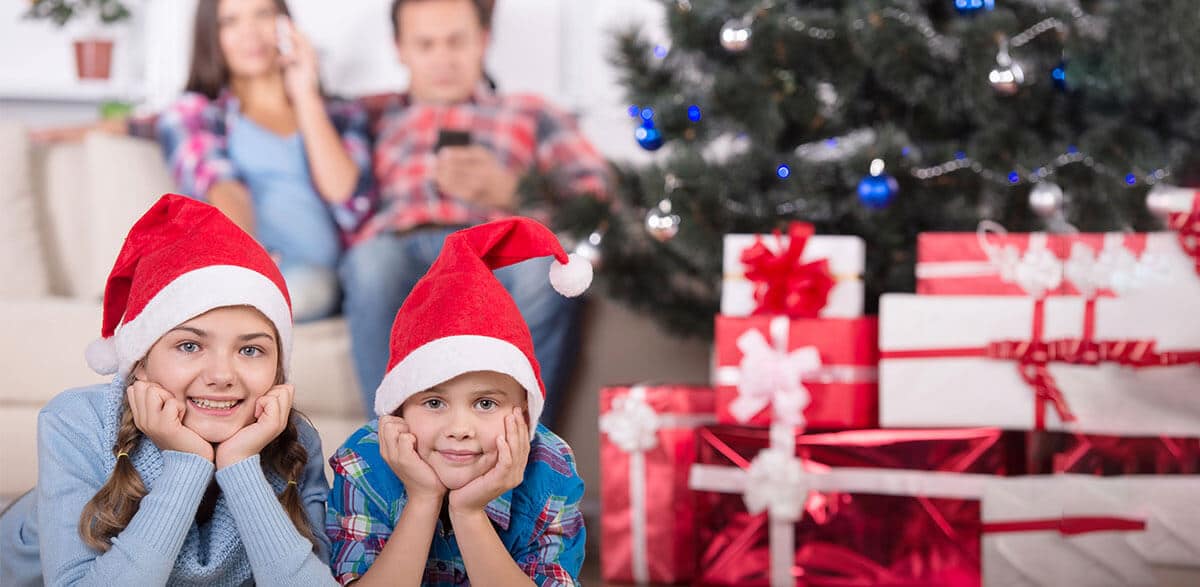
x=323, y=371
x=22, y=261
x=43, y=347
x=125, y=176
x=67, y=228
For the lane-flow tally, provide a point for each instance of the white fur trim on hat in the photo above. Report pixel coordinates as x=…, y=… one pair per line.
x=573, y=278
x=195, y=293
x=441, y=360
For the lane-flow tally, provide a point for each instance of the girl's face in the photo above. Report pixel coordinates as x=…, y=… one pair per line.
x=217, y=364
x=457, y=423
x=246, y=30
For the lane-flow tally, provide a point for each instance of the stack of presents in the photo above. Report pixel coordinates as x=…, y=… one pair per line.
x=1031, y=416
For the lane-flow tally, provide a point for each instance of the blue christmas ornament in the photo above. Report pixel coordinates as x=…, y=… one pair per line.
x=648, y=136
x=694, y=113
x=973, y=6
x=878, y=189
x=1059, y=75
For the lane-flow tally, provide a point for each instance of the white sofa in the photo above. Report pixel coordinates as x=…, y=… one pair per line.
x=66, y=210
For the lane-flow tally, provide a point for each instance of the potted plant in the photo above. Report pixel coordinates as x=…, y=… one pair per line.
x=93, y=50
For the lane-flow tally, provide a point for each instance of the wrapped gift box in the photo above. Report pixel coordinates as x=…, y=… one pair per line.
x=863, y=507
x=647, y=445
x=845, y=258
x=818, y=373
x=996, y=263
x=1122, y=366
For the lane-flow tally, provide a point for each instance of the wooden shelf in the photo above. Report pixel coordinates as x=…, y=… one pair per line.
x=81, y=92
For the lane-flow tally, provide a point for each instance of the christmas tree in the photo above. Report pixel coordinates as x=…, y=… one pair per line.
x=886, y=118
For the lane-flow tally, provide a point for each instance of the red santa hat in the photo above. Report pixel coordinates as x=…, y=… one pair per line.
x=459, y=318
x=181, y=259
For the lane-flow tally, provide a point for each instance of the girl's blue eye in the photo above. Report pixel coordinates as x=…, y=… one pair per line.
x=188, y=347
x=251, y=351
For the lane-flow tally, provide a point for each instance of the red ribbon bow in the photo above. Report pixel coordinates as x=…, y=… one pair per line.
x=1187, y=224
x=782, y=283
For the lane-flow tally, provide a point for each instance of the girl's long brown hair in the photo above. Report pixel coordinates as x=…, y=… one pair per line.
x=209, y=74
x=111, y=509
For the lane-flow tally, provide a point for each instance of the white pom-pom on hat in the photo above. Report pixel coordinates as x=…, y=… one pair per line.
x=573, y=278
x=101, y=356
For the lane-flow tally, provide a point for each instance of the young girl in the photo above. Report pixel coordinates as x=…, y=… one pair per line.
x=254, y=137
x=450, y=485
x=197, y=330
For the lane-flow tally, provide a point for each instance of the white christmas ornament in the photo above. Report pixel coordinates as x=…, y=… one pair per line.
x=735, y=35
x=1046, y=199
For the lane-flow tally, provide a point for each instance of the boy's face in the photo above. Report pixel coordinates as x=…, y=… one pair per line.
x=457, y=423
x=217, y=364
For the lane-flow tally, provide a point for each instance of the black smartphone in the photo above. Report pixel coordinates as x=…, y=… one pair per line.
x=452, y=138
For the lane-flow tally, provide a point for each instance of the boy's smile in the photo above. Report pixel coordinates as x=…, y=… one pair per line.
x=457, y=423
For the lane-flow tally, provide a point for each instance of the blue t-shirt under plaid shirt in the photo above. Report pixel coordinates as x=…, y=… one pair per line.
x=538, y=521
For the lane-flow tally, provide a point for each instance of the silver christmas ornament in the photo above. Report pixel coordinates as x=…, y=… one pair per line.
x=1046, y=199
x=661, y=223
x=1007, y=77
x=735, y=35
x=589, y=248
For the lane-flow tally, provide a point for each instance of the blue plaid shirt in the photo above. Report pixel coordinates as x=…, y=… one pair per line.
x=538, y=521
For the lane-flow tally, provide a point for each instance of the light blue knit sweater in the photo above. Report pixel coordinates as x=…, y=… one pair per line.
x=248, y=540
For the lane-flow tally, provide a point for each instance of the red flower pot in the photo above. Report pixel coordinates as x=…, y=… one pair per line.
x=93, y=58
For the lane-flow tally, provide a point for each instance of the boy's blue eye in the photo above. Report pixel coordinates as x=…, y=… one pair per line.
x=188, y=347
x=486, y=404
x=433, y=403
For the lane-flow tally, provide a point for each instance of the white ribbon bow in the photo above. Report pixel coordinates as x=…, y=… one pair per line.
x=1114, y=268
x=771, y=375
x=632, y=424
x=775, y=485
x=1037, y=272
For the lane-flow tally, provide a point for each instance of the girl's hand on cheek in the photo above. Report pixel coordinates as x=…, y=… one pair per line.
x=159, y=416
x=271, y=413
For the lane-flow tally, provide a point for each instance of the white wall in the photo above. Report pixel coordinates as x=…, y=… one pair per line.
x=557, y=48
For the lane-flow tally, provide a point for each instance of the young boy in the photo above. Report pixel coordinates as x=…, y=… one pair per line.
x=449, y=486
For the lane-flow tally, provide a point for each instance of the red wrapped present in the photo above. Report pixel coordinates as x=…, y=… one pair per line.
x=851, y=508
x=1154, y=480
x=1181, y=206
x=818, y=373
x=647, y=444
x=799, y=275
x=993, y=262
x=1104, y=455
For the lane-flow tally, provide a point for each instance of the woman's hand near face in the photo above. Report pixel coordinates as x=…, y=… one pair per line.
x=159, y=415
x=301, y=75
x=271, y=413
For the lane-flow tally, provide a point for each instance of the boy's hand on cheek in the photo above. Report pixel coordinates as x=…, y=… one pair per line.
x=159, y=416
x=398, y=447
x=271, y=413
x=512, y=449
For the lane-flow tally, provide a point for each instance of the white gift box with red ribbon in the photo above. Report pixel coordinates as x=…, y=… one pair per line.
x=1123, y=366
x=846, y=256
